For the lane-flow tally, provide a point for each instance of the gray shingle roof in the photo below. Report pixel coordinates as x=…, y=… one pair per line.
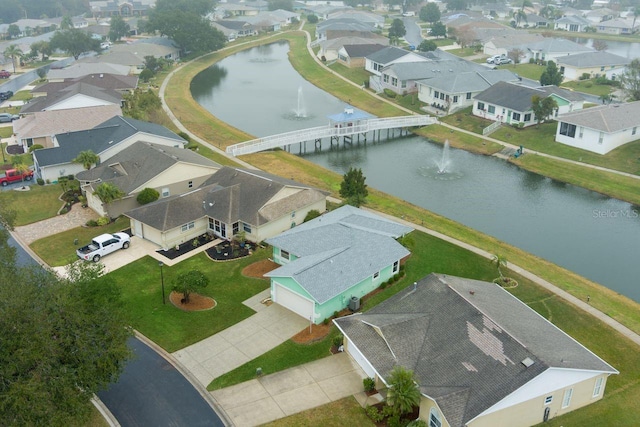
x=338, y=250
x=593, y=59
x=104, y=81
x=229, y=195
x=606, y=118
x=518, y=97
x=361, y=50
x=98, y=139
x=346, y=24
x=81, y=88
x=465, y=341
x=553, y=45
x=388, y=54
x=472, y=81
x=141, y=162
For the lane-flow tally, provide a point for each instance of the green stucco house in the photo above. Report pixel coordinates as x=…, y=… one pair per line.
x=326, y=262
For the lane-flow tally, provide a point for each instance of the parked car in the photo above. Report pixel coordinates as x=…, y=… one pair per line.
x=103, y=245
x=409, y=13
x=13, y=175
x=4, y=74
x=5, y=95
x=6, y=117
x=495, y=59
x=504, y=60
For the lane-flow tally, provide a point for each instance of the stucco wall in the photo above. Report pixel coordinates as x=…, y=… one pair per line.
x=590, y=138
x=281, y=224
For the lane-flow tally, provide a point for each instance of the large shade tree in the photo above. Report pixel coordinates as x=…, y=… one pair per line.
x=190, y=282
x=74, y=41
x=61, y=341
x=430, y=13
x=117, y=28
x=552, y=75
x=630, y=80
x=397, y=30
x=353, y=187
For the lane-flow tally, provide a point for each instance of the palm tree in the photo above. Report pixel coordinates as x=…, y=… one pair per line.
x=108, y=192
x=499, y=261
x=403, y=393
x=86, y=159
x=13, y=51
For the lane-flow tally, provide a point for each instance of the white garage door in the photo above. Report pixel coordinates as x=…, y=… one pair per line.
x=360, y=359
x=293, y=301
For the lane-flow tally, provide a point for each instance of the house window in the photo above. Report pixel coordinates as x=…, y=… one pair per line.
x=436, y=94
x=581, y=132
x=516, y=116
x=442, y=96
x=527, y=117
x=216, y=225
x=188, y=226
x=190, y=185
x=598, y=387
x=165, y=192
x=480, y=105
x=568, y=130
x=403, y=84
x=468, y=95
x=567, y=398
x=633, y=131
x=455, y=99
x=246, y=227
x=434, y=418
x=394, y=81
x=548, y=400
x=293, y=214
x=385, y=77
x=492, y=109
x=396, y=265
x=601, y=138
x=284, y=254
x=376, y=275
x=602, y=68
x=236, y=228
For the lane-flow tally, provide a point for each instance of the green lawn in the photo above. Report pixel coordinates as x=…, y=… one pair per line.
x=344, y=412
x=589, y=86
x=5, y=132
x=463, y=52
x=41, y=202
x=529, y=71
x=356, y=75
x=172, y=328
x=60, y=249
x=23, y=95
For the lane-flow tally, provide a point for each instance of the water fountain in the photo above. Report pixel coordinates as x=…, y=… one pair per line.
x=300, y=111
x=445, y=162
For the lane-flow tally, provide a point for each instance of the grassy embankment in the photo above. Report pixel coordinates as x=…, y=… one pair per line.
x=285, y=164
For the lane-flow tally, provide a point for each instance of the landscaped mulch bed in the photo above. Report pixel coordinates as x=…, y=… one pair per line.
x=224, y=252
x=197, y=302
x=15, y=149
x=184, y=248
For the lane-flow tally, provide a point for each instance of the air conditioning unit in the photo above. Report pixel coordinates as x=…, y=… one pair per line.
x=354, y=304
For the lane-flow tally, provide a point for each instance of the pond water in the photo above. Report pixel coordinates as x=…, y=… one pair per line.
x=593, y=235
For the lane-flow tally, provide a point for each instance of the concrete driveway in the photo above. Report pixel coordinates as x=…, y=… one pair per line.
x=291, y=391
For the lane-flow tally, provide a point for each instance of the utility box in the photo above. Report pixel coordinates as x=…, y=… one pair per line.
x=354, y=304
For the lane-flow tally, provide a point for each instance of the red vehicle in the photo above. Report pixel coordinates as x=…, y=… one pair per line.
x=13, y=175
x=4, y=74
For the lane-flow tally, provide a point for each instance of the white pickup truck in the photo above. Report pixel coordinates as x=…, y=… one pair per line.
x=103, y=245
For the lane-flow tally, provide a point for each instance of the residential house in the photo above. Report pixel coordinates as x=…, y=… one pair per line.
x=500, y=42
x=230, y=201
x=132, y=55
x=449, y=91
x=238, y=28
x=617, y=26
x=263, y=22
x=123, y=84
x=237, y=9
x=330, y=49
x=493, y=9
x=106, y=140
x=332, y=259
x=512, y=104
x=600, y=129
x=535, y=21
x=80, y=69
x=353, y=55
x=572, y=23
x=359, y=15
x=603, y=14
x=593, y=64
x=77, y=95
x=375, y=62
x=551, y=48
x=124, y=8
x=168, y=170
x=39, y=128
x=336, y=28
x=480, y=357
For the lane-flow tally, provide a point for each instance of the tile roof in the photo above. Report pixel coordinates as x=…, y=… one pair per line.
x=99, y=139
x=518, y=97
x=338, y=250
x=230, y=195
x=606, y=118
x=465, y=341
x=593, y=59
x=136, y=165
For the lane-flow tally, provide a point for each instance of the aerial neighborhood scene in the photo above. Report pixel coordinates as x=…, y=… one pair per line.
x=320, y=213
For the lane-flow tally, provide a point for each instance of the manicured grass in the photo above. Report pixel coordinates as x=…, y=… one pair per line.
x=172, y=328
x=344, y=412
x=59, y=249
x=41, y=202
x=356, y=75
x=529, y=71
x=589, y=86
x=457, y=139
x=443, y=42
x=5, y=132
x=23, y=95
x=463, y=52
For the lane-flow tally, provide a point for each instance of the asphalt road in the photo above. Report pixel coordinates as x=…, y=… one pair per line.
x=412, y=35
x=151, y=392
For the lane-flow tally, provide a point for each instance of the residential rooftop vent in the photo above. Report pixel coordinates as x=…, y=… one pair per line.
x=527, y=362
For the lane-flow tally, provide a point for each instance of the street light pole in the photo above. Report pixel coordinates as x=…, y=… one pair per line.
x=162, y=279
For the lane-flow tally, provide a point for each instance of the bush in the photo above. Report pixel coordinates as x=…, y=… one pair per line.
x=64, y=210
x=71, y=177
x=40, y=181
x=148, y=195
x=417, y=423
x=584, y=76
x=313, y=213
x=389, y=93
x=373, y=413
x=146, y=75
x=369, y=384
x=184, y=136
x=588, y=84
x=35, y=147
x=337, y=340
x=532, y=61
x=103, y=220
x=312, y=19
